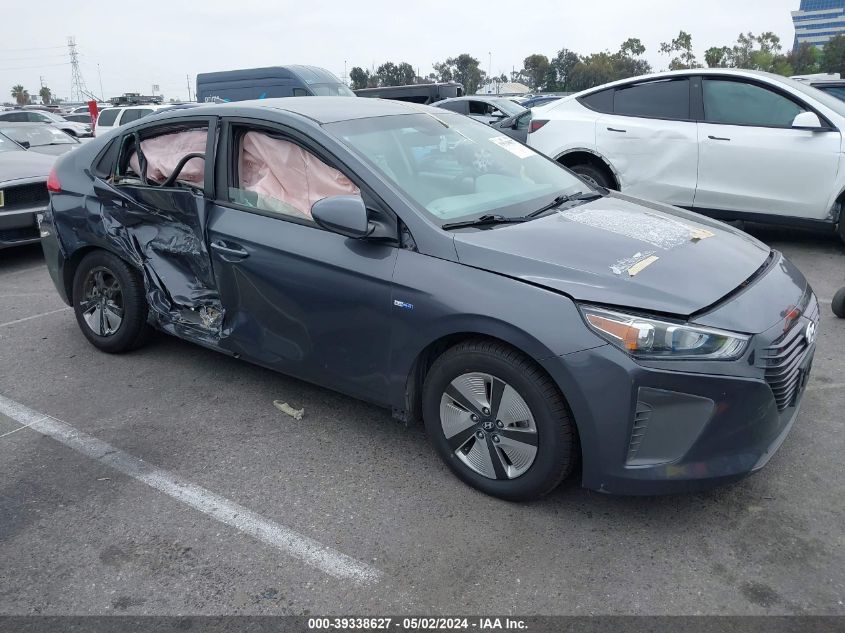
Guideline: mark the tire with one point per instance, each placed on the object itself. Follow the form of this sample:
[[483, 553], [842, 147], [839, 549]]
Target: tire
[[838, 304], [593, 175], [460, 441], [109, 303]]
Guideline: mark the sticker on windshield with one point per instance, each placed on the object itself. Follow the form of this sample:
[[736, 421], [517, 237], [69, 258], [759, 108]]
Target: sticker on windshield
[[517, 149]]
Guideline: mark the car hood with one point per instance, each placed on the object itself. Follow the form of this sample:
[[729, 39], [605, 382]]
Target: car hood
[[16, 165], [621, 251]]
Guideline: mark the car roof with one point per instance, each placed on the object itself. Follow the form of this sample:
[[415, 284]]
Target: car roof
[[690, 72], [149, 106], [325, 109], [23, 124], [477, 98]]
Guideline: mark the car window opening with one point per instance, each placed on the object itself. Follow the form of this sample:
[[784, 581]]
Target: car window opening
[[160, 156], [277, 175]]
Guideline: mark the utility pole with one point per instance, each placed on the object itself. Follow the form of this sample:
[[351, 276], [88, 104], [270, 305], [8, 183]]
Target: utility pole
[[78, 89], [344, 73], [188, 81], [102, 92]]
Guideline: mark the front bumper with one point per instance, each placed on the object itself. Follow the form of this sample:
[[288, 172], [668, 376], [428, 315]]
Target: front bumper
[[650, 430]]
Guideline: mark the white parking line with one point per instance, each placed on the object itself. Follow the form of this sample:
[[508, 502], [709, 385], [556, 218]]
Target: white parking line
[[314, 553], [34, 316]]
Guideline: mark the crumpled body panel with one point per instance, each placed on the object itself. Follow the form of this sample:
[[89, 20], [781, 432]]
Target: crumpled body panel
[[164, 236]]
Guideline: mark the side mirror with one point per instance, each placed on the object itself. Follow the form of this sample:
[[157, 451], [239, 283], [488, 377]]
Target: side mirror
[[345, 215], [808, 121]]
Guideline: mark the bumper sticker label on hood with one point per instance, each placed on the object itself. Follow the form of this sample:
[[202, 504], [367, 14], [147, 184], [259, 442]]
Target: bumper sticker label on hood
[[658, 230], [635, 264]]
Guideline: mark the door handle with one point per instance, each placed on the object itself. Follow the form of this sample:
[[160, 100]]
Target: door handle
[[718, 138], [228, 251], [613, 129]]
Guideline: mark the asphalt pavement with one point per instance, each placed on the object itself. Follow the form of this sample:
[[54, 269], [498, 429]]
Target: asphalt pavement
[[166, 482]]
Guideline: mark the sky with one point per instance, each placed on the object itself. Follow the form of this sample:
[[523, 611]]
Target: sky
[[128, 47]]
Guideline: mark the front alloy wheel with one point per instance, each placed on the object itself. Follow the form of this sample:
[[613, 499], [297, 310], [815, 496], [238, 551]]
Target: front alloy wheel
[[489, 426], [498, 420]]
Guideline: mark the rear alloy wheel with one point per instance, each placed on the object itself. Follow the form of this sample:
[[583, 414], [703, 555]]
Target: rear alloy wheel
[[593, 175], [102, 303], [109, 303], [498, 421]]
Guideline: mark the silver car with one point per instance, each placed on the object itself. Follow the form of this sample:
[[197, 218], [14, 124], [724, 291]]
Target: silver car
[[23, 192], [48, 118]]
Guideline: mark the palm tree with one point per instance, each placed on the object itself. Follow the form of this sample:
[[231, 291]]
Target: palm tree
[[46, 95], [20, 94]]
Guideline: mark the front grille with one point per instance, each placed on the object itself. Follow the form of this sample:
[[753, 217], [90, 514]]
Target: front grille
[[783, 362], [25, 196]]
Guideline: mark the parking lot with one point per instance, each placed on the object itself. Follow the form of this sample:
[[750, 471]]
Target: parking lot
[[240, 508]]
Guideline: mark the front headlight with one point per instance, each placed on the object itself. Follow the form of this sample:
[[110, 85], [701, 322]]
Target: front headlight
[[651, 338]]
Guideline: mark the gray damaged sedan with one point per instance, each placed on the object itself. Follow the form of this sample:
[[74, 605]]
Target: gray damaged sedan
[[424, 262]]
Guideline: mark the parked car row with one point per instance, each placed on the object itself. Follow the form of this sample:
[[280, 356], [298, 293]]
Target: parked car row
[[46, 118]]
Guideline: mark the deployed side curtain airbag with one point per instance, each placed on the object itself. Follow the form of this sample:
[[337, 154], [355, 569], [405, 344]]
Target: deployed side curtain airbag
[[278, 169], [164, 152]]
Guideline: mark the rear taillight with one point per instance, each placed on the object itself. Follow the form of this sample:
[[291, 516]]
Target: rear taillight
[[536, 124], [53, 184]]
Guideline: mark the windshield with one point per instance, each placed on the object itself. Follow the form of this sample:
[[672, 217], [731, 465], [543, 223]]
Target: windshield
[[836, 91], [6, 145], [457, 168], [52, 116], [822, 97], [37, 135], [508, 107], [331, 90]]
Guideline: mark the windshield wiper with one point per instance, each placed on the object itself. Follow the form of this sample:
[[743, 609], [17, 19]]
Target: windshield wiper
[[492, 220], [484, 220], [581, 196]]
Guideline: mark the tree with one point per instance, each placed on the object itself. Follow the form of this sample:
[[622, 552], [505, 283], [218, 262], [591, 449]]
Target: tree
[[632, 47], [833, 57], [805, 59], [717, 56], [681, 47], [463, 69], [535, 68], [20, 95], [46, 95], [359, 77], [604, 67], [560, 68], [627, 62], [390, 74], [752, 52]]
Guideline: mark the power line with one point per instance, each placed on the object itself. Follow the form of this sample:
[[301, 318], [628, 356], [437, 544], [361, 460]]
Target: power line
[[39, 66], [34, 48]]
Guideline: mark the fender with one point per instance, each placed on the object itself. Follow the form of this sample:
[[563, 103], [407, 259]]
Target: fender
[[597, 154]]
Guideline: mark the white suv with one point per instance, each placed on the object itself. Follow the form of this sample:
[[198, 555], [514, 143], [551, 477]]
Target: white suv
[[116, 116], [731, 144]]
